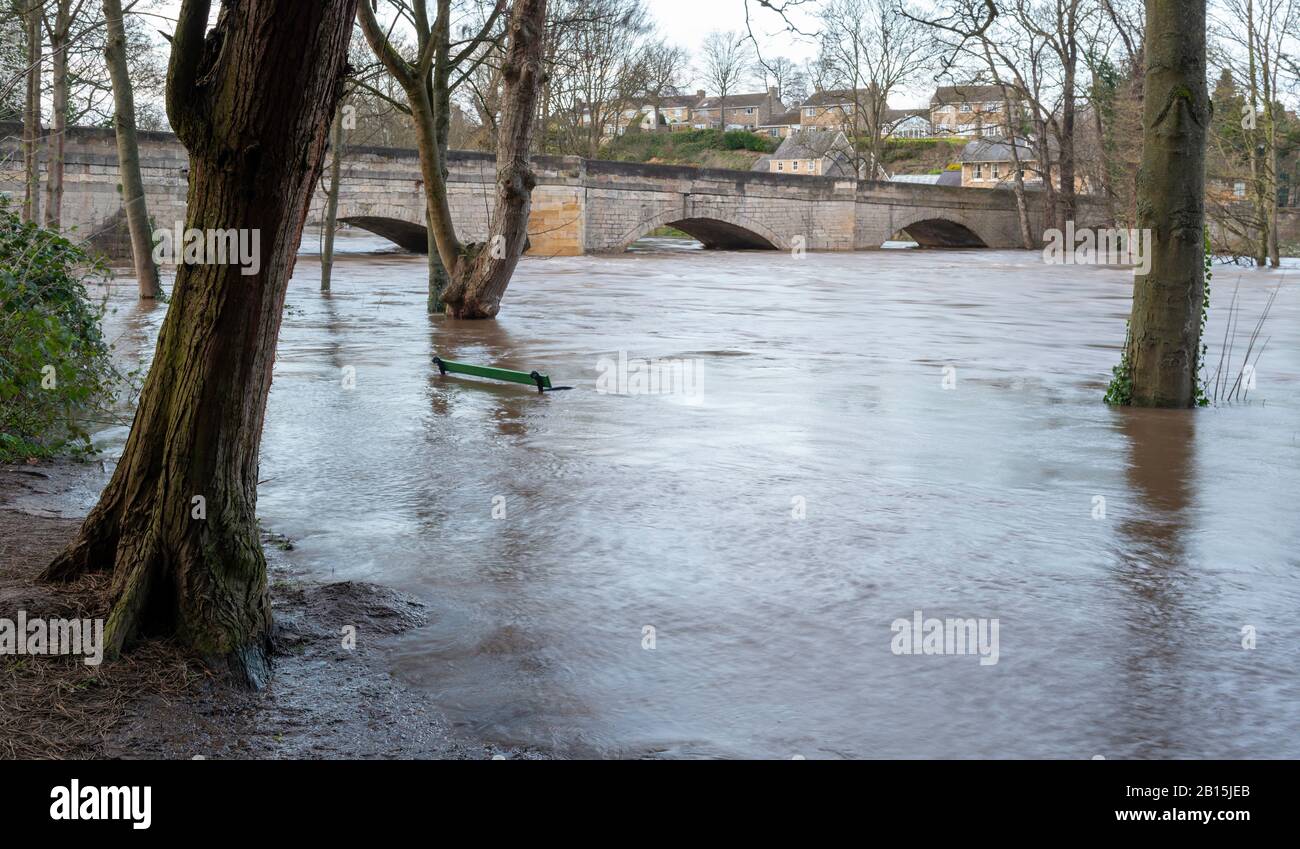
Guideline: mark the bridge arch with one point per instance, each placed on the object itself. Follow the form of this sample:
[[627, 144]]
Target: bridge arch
[[405, 234], [940, 230], [715, 232]]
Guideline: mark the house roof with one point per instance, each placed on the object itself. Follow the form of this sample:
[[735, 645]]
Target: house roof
[[815, 144], [785, 119], [735, 101], [677, 101], [904, 114], [838, 97], [967, 93], [995, 150]]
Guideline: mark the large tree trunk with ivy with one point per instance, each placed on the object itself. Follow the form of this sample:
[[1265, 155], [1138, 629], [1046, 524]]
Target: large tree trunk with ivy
[[1165, 328], [252, 102], [128, 153]]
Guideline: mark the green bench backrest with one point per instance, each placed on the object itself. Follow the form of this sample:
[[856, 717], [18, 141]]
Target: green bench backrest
[[541, 381]]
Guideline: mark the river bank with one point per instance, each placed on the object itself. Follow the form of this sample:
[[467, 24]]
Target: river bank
[[156, 702]]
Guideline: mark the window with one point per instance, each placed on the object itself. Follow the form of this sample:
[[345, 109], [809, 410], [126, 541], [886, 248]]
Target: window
[[749, 110], [795, 166], [979, 171], [965, 107], [780, 166], [995, 171], [992, 107], [1239, 189], [810, 113]]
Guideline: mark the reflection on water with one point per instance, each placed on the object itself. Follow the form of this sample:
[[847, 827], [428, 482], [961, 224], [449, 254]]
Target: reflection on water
[[822, 381]]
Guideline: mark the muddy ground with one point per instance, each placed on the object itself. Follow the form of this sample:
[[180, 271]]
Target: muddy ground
[[325, 701]]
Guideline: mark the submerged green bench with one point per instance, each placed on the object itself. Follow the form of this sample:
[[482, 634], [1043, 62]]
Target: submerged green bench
[[541, 381]]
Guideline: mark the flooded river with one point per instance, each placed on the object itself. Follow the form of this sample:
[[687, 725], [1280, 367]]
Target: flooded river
[[715, 574]]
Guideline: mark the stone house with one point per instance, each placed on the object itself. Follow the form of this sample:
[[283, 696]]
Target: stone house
[[988, 164], [744, 111], [813, 153], [781, 126], [970, 110]]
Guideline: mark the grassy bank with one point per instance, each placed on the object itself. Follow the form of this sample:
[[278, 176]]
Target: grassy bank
[[735, 150]]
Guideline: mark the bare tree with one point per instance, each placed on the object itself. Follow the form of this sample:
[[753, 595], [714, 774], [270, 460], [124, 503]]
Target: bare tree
[[429, 75], [1257, 54], [785, 75], [32, 12], [477, 274], [128, 153], [598, 68], [725, 65], [871, 48]]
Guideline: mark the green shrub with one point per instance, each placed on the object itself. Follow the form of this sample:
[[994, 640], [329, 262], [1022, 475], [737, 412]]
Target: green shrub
[[54, 364], [690, 147], [745, 140]]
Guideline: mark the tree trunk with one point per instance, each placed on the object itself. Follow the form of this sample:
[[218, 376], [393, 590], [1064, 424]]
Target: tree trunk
[[1051, 220], [1253, 145], [251, 101], [1066, 140], [128, 153], [32, 116], [332, 200], [1166, 318], [479, 282], [1272, 235], [1017, 177], [59, 114]]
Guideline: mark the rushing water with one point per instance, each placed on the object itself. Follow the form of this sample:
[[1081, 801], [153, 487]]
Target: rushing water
[[822, 387]]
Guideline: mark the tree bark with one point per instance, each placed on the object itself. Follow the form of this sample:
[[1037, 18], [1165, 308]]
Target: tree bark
[[59, 114], [332, 200], [251, 101], [479, 281], [1166, 317], [1253, 145], [1066, 139], [128, 153], [32, 115]]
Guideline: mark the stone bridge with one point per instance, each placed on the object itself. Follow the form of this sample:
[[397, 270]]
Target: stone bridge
[[579, 206]]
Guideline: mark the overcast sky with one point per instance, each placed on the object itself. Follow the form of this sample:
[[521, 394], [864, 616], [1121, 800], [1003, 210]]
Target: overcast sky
[[685, 23]]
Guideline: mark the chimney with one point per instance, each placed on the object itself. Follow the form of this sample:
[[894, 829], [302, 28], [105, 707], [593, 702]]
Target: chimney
[[700, 94]]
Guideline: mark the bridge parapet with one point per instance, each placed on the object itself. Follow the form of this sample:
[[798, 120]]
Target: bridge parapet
[[579, 206]]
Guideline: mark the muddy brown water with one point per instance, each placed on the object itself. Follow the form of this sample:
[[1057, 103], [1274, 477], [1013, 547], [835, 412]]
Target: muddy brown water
[[934, 417]]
